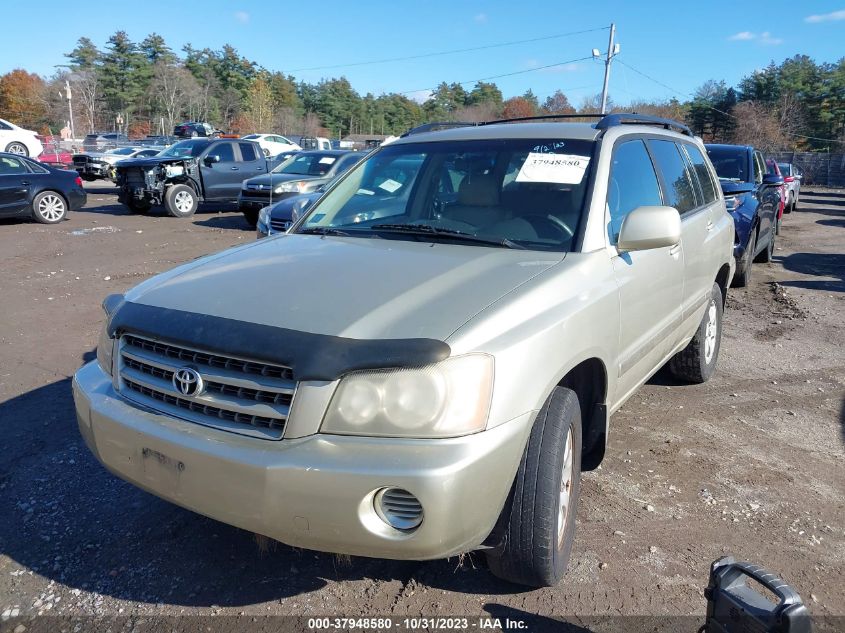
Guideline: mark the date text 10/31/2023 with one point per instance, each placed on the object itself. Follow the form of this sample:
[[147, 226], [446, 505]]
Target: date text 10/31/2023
[[417, 623]]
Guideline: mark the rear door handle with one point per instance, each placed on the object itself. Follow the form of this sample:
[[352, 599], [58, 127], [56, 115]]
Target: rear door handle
[[233, 168], [709, 225], [675, 249], [25, 183]]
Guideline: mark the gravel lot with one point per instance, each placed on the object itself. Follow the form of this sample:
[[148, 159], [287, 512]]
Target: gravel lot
[[749, 464]]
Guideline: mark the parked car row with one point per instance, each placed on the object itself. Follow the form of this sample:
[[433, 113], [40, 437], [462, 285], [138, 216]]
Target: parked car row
[[101, 165], [756, 196], [32, 189]]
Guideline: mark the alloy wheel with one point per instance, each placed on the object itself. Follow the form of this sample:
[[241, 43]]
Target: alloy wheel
[[565, 489], [184, 201], [51, 207], [711, 332]]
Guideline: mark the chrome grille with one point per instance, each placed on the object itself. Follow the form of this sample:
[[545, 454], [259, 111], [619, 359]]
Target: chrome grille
[[280, 225], [246, 397]]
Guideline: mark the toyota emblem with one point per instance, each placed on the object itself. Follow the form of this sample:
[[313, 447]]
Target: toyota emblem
[[188, 382]]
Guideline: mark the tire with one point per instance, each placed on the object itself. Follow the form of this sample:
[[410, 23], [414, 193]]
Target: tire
[[766, 254], [49, 207], [138, 206], [181, 201], [697, 361], [742, 277], [17, 148], [538, 520], [777, 226], [790, 206], [266, 152], [88, 178], [251, 217]]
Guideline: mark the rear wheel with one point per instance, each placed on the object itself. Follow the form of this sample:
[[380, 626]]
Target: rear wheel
[[766, 254], [538, 520], [697, 361], [49, 207], [17, 148], [181, 201], [743, 268], [790, 203]]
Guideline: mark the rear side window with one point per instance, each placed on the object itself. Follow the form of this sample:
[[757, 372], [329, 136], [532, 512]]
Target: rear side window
[[247, 151], [705, 179], [225, 152], [678, 191], [632, 184]]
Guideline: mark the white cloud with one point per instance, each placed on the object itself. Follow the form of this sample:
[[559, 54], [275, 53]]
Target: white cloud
[[242, 16], [420, 96], [833, 16], [480, 18], [742, 36], [765, 38]]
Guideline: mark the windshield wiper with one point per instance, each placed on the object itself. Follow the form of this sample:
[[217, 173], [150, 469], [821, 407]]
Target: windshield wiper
[[429, 230], [322, 230]]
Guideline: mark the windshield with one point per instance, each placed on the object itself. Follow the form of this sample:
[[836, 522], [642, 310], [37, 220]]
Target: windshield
[[186, 149], [524, 193], [785, 168], [730, 163], [308, 164]]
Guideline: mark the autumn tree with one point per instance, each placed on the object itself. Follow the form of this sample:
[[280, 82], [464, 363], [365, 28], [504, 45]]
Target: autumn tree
[[517, 107], [557, 103], [22, 99]]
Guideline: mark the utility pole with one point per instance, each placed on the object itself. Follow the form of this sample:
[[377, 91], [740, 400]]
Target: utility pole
[[612, 51], [70, 108]]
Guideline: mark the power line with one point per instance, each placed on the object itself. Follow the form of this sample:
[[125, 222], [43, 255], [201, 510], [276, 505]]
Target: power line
[[450, 52], [511, 74], [728, 114]]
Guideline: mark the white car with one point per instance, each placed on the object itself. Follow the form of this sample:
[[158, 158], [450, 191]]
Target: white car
[[273, 144], [16, 140]]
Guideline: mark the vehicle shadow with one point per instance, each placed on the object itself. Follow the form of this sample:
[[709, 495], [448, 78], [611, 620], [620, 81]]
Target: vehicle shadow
[[72, 522], [226, 222], [837, 223], [816, 264], [822, 194], [511, 618]]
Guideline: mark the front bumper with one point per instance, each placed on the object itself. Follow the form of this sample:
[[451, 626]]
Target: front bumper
[[314, 492], [98, 170]]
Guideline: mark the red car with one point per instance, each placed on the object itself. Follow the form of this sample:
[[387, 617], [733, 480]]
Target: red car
[[772, 168], [53, 154]]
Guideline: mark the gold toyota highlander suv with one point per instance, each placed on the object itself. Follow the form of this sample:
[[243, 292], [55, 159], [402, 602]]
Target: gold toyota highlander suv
[[425, 362]]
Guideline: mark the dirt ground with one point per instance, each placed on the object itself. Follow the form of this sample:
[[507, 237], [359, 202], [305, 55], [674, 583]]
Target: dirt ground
[[749, 464]]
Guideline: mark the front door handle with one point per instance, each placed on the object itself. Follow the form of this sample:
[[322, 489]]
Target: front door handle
[[25, 183], [709, 225], [233, 168]]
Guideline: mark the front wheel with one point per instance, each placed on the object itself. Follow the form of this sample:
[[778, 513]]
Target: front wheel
[[181, 201], [538, 520], [790, 206], [49, 207], [768, 253], [17, 148], [251, 217], [743, 267], [138, 206], [697, 361]]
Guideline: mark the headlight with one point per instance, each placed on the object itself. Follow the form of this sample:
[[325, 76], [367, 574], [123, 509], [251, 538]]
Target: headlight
[[105, 345], [448, 399], [287, 187]]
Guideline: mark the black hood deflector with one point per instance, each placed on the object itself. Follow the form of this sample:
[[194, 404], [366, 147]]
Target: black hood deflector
[[310, 356]]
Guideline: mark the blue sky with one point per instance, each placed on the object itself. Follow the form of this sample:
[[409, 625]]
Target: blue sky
[[678, 44]]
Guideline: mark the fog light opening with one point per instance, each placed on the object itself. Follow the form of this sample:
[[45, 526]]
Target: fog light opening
[[398, 508]]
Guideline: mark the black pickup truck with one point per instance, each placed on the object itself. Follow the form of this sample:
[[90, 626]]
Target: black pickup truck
[[189, 172]]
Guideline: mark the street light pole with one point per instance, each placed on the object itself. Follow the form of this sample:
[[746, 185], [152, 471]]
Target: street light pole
[[70, 109], [612, 51]]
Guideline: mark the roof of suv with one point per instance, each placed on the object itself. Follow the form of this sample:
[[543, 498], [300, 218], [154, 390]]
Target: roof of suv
[[585, 131]]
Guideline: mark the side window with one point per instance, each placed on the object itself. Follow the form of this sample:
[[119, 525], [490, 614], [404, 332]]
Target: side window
[[632, 184], [12, 166], [225, 152], [3, 126], [705, 178], [678, 189], [247, 152]]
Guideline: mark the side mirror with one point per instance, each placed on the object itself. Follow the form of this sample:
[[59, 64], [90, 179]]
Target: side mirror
[[645, 228], [211, 159], [772, 179]]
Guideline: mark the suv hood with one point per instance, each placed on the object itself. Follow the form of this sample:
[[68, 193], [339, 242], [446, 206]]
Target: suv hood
[[344, 286], [152, 161], [275, 179]]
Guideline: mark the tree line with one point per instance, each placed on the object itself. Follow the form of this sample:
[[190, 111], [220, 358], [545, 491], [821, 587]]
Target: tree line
[[146, 87]]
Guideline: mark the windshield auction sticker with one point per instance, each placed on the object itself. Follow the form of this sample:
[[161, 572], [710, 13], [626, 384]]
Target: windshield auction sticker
[[564, 169]]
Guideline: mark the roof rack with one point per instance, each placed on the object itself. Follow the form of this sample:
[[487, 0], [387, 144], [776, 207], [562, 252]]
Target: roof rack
[[605, 121], [437, 125], [612, 120], [545, 117]]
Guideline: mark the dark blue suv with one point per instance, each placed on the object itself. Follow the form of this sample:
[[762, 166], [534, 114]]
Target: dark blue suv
[[752, 198]]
